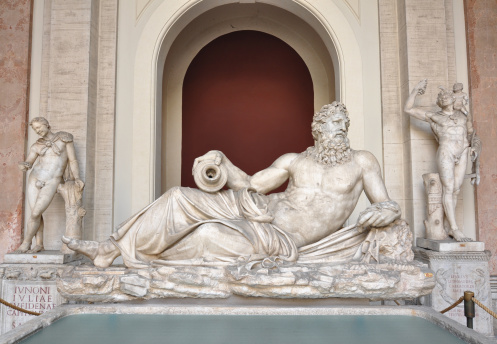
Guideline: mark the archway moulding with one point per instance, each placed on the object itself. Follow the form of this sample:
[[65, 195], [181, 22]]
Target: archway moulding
[[166, 23], [210, 26]]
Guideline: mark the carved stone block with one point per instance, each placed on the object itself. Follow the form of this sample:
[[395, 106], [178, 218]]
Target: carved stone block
[[28, 286], [457, 272], [383, 281]]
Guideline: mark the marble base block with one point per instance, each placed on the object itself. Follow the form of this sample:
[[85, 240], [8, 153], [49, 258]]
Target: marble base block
[[28, 286], [298, 281], [44, 257], [450, 245], [455, 273]]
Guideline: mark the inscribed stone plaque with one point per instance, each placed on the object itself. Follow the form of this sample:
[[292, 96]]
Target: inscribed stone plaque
[[35, 296], [457, 272]]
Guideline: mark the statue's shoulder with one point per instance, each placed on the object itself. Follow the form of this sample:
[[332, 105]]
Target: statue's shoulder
[[286, 160], [365, 159], [65, 137]]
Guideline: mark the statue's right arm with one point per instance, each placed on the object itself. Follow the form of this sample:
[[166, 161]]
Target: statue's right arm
[[273, 176], [409, 106], [26, 165]]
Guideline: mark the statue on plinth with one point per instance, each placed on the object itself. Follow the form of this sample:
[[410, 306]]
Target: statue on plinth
[[325, 182], [56, 169], [453, 129]]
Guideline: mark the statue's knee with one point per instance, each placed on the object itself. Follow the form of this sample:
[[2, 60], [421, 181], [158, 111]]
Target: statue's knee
[[457, 191], [448, 190], [207, 231], [174, 190], [35, 215]]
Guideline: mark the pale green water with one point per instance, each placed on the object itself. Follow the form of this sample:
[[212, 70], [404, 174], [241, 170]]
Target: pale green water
[[241, 329]]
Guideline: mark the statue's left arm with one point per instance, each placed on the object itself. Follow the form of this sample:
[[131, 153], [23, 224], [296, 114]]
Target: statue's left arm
[[383, 210], [262, 182], [73, 164]]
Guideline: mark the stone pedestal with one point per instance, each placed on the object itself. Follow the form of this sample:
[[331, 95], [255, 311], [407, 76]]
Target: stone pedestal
[[449, 245], [455, 273], [44, 257], [29, 281]]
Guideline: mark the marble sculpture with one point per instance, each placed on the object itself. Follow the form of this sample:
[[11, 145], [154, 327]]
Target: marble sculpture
[[56, 170], [214, 243], [457, 141], [325, 183]]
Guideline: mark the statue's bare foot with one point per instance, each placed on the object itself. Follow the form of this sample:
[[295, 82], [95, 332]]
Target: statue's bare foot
[[35, 249], [88, 248], [102, 253], [23, 248], [458, 235]]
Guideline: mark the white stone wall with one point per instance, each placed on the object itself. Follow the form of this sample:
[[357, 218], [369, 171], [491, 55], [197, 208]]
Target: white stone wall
[[97, 69], [76, 93]]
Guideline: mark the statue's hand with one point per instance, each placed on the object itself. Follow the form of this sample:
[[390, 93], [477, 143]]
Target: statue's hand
[[80, 184], [215, 155], [421, 86], [377, 215], [24, 166]]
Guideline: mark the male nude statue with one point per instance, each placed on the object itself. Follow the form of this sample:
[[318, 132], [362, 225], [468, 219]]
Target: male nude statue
[[54, 152], [325, 183], [452, 130]]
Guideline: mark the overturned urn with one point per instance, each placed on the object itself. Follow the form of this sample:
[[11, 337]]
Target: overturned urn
[[209, 176]]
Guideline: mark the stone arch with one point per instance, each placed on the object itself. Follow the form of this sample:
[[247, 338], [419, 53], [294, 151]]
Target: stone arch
[[154, 46], [206, 28]]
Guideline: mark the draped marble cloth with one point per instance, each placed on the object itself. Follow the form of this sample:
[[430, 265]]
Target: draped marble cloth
[[167, 232]]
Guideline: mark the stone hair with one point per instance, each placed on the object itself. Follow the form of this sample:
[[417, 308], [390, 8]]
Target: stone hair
[[443, 94], [41, 120], [326, 112]]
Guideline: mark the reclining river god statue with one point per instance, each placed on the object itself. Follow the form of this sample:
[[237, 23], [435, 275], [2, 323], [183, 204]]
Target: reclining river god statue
[[325, 183], [214, 243]]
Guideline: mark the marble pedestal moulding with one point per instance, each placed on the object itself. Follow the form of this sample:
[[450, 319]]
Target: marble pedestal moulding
[[455, 273], [30, 285], [192, 243]]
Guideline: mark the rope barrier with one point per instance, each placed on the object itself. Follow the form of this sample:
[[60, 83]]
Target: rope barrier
[[8, 304], [485, 308], [469, 307], [455, 304]]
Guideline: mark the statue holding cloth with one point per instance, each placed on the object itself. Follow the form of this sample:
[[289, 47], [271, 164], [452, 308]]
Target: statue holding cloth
[[189, 225]]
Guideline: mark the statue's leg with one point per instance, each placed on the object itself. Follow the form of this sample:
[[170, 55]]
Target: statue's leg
[[102, 253], [210, 240], [459, 173], [42, 200], [32, 194], [39, 238], [446, 167]]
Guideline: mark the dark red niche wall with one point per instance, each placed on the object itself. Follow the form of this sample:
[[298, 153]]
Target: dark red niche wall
[[249, 95]]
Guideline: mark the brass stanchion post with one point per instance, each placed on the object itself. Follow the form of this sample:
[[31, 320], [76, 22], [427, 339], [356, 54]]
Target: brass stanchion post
[[469, 308]]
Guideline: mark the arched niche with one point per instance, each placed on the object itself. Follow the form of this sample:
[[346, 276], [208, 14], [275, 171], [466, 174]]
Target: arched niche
[[218, 22], [170, 18]]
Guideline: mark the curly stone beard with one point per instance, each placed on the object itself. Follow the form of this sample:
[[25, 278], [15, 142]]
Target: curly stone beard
[[332, 151]]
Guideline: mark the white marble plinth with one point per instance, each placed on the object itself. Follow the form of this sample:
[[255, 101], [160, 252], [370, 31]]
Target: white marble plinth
[[44, 257], [455, 273], [299, 281], [450, 245], [28, 286]]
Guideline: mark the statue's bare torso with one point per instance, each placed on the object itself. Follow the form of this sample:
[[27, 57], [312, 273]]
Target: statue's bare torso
[[451, 132], [319, 198], [50, 166]]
